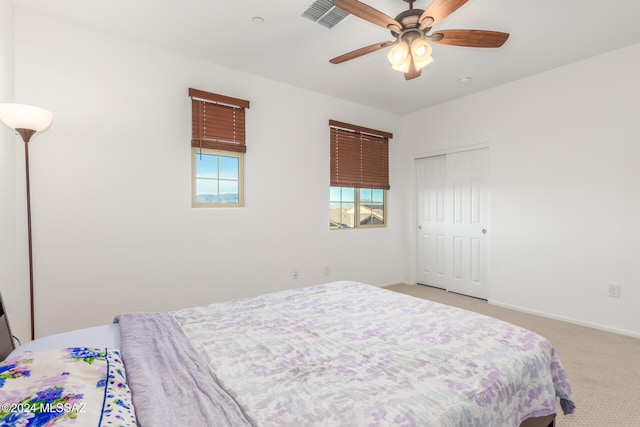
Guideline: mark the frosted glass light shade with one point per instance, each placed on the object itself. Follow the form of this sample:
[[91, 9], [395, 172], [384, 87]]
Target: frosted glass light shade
[[398, 54], [403, 67], [421, 52], [420, 64], [20, 116]]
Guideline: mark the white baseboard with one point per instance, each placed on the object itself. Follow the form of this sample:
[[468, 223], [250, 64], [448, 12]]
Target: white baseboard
[[606, 328], [621, 331], [384, 285]]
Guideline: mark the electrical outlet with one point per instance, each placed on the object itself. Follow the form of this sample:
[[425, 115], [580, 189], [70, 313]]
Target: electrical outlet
[[327, 270], [296, 274], [614, 291]]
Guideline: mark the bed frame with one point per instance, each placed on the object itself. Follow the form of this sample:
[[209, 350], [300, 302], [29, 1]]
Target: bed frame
[[548, 421]]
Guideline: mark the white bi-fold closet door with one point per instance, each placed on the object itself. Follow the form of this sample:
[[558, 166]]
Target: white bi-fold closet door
[[453, 221]]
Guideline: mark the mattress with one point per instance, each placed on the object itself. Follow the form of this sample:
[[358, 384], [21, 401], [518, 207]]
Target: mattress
[[98, 337]]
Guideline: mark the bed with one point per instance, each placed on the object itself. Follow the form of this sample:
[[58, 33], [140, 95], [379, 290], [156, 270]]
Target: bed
[[342, 353]]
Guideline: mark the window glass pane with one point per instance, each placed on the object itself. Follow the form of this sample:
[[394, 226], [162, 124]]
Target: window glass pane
[[229, 167], [341, 207], [206, 166], [229, 192], [371, 217], [365, 218], [347, 219], [365, 195], [364, 214], [335, 208], [334, 219], [206, 191], [348, 194], [378, 217], [371, 207], [335, 194]]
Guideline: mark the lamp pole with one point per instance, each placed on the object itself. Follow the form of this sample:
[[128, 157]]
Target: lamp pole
[[26, 135]]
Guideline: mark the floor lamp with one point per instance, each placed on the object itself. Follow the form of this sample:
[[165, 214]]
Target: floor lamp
[[26, 121]]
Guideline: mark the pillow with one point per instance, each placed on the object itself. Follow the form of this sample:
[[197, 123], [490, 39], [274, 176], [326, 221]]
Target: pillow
[[73, 386]]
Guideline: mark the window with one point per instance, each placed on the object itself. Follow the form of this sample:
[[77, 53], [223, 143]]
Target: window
[[359, 176], [347, 204], [218, 145], [217, 178]]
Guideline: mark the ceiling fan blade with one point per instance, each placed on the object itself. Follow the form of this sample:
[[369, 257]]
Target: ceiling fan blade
[[413, 72], [470, 38], [359, 52], [366, 12], [440, 9]]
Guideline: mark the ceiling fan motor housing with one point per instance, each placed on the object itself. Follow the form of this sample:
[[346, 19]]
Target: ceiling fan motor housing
[[410, 21]]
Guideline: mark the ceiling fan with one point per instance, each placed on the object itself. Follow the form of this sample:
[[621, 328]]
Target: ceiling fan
[[411, 51]]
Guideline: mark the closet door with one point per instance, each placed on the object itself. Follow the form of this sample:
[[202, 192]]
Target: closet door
[[453, 217], [432, 227]]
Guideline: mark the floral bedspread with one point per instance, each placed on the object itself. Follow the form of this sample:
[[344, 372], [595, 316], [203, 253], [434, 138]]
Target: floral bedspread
[[66, 387], [345, 354]]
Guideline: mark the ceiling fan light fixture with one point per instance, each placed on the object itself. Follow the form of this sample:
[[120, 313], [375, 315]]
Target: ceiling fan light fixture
[[404, 66], [399, 54], [421, 53], [420, 48], [420, 64]]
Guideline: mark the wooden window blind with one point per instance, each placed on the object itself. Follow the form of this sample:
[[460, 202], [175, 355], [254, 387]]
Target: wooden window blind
[[359, 156], [217, 121]]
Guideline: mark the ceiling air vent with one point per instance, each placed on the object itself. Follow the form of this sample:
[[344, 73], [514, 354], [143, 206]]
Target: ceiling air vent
[[325, 13]]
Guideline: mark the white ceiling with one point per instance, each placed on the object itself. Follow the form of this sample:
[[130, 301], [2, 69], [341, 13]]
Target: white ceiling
[[545, 34]]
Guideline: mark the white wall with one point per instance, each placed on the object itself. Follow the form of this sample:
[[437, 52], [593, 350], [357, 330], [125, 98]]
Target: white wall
[[565, 200], [14, 286], [112, 222]]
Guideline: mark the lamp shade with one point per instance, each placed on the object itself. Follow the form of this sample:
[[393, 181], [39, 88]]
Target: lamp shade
[[398, 54], [403, 67], [421, 52], [20, 116]]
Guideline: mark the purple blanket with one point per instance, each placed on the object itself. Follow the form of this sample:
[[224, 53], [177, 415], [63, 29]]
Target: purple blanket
[[171, 384]]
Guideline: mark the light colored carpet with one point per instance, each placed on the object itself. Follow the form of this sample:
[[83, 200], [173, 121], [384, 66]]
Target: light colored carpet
[[603, 368]]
